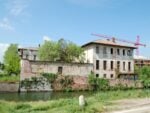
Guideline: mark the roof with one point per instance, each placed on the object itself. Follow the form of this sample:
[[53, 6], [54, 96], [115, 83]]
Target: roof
[[109, 43], [29, 48], [141, 58]]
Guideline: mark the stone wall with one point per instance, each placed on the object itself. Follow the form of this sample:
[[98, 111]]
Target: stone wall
[[9, 87], [78, 71], [34, 68], [125, 83]]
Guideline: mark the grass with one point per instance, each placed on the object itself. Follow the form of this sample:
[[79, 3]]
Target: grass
[[9, 78], [95, 103]]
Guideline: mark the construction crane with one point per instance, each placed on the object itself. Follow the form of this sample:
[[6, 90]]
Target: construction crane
[[137, 43]]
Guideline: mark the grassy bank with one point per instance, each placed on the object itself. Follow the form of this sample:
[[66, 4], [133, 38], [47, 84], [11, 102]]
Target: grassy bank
[[96, 103], [9, 78]]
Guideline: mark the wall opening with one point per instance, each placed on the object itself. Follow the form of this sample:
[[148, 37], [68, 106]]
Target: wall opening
[[105, 65], [118, 65], [112, 65], [60, 69], [118, 51], [97, 75], [124, 52], [111, 51], [97, 64], [111, 76], [129, 66], [124, 66]]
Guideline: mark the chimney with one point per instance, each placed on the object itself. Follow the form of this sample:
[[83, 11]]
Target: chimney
[[113, 39]]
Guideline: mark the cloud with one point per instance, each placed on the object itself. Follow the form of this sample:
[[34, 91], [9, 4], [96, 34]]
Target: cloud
[[17, 7], [5, 24], [3, 48], [46, 38], [14, 9]]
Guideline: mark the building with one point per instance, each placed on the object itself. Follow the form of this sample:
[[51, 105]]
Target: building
[[30, 53], [140, 62], [110, 59]]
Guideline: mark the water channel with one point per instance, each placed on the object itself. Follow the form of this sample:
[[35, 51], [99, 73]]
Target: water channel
[[37, 96]]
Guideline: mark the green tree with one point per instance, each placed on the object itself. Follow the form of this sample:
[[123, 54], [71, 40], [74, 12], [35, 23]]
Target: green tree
[[62, 50], [48, 51], [1, 66], [145, 76], [12, 60]]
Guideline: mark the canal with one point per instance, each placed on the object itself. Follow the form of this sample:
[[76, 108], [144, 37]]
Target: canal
[[44, 96]]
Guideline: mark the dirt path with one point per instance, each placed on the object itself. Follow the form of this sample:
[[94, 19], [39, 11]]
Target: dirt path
[[131, 106]]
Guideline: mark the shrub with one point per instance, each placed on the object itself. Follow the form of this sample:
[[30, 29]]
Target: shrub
[[144, 76], [32, 82], [66, 82], [50, 76], [98, 83]]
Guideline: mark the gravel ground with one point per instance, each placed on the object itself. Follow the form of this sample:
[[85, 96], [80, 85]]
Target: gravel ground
[[130, 106]]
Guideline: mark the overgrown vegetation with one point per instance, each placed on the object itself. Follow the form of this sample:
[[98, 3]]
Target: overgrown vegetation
[[144, 74], [96, 103], [66, 82], [6, 78], [33, 82], [12, 60], [51, 77], [62, 50], [97, 83]]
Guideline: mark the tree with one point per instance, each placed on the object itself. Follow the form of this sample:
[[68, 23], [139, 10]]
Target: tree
[[48, 51], [1, 66], [62, 50], [12, 60], [145, 76]]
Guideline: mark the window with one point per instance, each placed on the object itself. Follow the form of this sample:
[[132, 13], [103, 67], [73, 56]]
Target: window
[[27, 56], [97, 75], [112, 65], [118, 51], [111, 51], [129, 66], [34, 57], [97, 49], [124, 66], [123, 52], [118, 64], [129, 53], [97, 64], [104, 50], [111, 76], [104, 75], [60, 69], [104, 65]]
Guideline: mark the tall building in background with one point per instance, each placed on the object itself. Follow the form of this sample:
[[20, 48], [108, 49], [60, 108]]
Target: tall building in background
[[110, 59]]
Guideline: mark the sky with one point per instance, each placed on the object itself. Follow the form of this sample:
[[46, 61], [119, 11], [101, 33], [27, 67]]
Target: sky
[[29, 22]]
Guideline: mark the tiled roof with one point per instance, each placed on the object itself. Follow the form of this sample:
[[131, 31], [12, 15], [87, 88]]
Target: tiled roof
[[109, 43]]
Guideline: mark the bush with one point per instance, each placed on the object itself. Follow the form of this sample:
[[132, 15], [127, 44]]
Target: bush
[[50, 76], [145, 76], [98, 83], [66, 82], [6, 78]]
